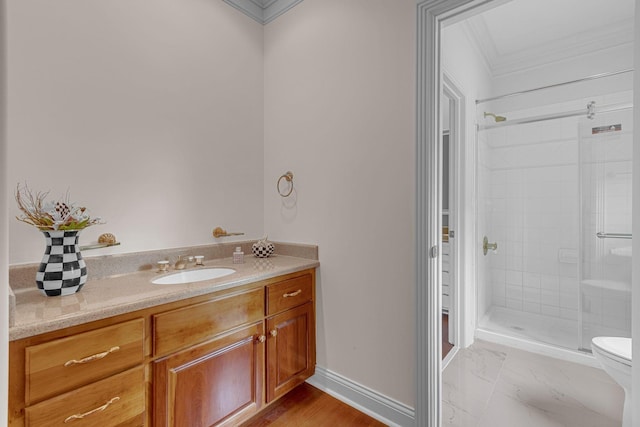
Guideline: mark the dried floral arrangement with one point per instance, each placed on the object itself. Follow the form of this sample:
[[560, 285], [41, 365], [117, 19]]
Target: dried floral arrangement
[[58, 215]]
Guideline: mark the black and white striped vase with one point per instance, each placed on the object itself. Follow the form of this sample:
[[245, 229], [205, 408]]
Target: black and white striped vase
[[62, 270]]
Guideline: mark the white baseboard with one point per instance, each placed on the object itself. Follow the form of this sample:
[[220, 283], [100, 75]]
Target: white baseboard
[[449, 357], [372, 403]]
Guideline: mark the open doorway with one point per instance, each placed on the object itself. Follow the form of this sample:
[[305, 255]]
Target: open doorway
[[432, 15], [452, 112], [447, 285]]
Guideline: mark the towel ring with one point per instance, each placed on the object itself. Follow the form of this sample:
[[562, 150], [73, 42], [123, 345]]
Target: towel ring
[[289, 178]]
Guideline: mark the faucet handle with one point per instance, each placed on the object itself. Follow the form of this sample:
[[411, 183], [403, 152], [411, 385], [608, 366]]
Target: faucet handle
[[163, 266]]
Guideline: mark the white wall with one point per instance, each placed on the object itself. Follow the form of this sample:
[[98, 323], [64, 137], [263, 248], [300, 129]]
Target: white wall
[[339, 104], [148, 113], [4, 241], [636, 227]]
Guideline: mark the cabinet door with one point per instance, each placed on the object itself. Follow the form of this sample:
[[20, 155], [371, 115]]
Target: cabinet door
[[212, 384], [291, 352]]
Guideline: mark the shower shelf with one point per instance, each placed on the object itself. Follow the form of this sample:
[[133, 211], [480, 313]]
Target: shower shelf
[[611, 285]]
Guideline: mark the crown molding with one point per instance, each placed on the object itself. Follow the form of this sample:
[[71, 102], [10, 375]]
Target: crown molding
[[481, 42], [263, 11], [571, 47]]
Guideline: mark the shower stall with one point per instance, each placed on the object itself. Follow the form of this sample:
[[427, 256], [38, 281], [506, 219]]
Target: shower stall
[[554, 196]]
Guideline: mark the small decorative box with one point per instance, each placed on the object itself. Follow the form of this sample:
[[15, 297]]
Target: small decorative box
[[263, 248]]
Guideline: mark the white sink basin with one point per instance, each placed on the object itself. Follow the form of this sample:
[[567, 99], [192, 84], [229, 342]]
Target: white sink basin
[[193, 276]]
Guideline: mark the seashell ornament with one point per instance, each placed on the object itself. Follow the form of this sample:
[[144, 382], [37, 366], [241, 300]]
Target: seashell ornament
[[107, 239]]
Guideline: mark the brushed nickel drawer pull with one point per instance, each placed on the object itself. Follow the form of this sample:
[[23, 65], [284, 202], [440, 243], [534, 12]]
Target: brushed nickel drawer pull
[[93, 411], [91, 358], [292, 294]]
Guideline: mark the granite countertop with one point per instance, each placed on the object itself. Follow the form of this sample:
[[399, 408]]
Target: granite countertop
[[117, 294]]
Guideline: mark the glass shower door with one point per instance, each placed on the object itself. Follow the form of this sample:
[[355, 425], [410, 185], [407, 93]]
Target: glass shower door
[[605, 225]]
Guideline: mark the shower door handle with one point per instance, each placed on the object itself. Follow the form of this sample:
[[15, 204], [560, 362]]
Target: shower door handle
[[601, 235]]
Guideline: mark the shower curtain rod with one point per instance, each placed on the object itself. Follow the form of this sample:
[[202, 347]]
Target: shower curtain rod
[[585, 112], [584, 79]]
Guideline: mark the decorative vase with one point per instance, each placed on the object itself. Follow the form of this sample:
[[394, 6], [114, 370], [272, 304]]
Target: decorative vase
[[62, 270]]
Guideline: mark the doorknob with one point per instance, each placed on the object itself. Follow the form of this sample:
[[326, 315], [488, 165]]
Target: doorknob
[[486, 246]]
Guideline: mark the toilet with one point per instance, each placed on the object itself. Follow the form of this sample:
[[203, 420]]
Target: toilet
[[614, 355]]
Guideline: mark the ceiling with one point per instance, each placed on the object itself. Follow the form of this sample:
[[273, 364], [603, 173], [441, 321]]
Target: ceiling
[[521, 34]]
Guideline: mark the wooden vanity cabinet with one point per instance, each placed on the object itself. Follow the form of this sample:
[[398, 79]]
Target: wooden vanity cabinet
[[215, 383], [87, 378], [215, 376], [222, 381], [211, 360], [291, 352]]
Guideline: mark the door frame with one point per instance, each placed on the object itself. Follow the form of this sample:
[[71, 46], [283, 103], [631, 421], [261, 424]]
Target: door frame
[[430, 17]]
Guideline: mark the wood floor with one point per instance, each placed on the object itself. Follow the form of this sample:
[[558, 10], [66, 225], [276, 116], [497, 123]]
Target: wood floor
[[306, 406], [446, 346]]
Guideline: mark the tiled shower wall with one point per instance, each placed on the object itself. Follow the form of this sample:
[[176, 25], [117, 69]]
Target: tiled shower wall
[[532, 213], [529, 194]]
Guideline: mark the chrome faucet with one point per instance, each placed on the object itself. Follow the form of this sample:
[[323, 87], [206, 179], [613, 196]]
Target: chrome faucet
[[183, 262]]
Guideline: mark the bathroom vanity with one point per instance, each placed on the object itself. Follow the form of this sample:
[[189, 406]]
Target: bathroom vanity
[[214, 353]]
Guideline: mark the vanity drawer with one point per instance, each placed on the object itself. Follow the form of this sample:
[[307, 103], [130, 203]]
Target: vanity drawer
[[115, 401], [289, 293], [67, 363], [191, 325]]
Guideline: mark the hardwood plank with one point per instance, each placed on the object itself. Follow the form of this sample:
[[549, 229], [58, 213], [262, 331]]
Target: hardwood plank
[[306, 406], [446, 346]]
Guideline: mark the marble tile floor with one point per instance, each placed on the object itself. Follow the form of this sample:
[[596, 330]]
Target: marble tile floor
[[491, 385]]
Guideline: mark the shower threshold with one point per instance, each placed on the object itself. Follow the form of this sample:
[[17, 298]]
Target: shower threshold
[[551, 336]]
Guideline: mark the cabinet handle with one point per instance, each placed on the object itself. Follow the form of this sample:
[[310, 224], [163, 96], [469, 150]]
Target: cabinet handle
[[262, 338], [91, 358], [273, 333], [93, 411], [292, 294]]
